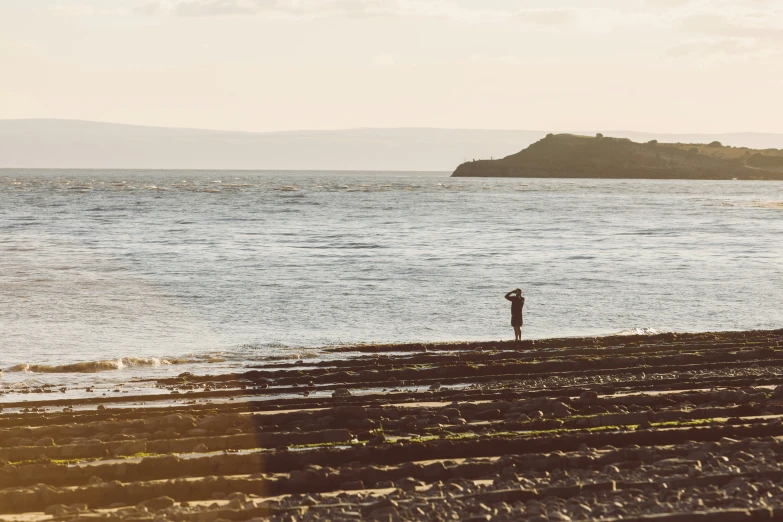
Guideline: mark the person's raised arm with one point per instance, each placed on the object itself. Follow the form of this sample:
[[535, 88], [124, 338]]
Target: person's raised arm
[[509, 294]]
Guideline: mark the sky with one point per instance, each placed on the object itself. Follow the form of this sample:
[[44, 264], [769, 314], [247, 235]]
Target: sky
[[705, 66]]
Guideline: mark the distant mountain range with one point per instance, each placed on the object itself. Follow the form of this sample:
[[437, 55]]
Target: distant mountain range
[[83, 144]]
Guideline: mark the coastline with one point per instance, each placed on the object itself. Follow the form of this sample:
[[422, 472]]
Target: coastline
[[584, 427]]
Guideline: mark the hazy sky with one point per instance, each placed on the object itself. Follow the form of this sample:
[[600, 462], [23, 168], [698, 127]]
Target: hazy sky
[[647, 65]]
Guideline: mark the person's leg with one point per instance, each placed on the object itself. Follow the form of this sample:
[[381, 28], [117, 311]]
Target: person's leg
[[517, 333]]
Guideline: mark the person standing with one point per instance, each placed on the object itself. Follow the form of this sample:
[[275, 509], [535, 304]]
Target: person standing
[[517, 302]]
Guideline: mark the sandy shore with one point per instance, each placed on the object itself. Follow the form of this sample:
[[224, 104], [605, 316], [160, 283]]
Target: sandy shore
[[631, 428]]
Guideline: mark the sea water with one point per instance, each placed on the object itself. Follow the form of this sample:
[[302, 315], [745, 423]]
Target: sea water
[[158, 272]]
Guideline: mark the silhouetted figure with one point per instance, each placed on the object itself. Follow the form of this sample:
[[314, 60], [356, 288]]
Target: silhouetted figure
[[517, 302]]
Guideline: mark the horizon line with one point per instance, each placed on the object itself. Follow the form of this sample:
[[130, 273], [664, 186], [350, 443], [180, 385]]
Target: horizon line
[[380, 171]]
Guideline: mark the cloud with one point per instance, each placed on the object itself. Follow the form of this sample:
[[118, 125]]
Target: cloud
[[669, 3], [725, 27], [743, 33], [705, 26], [713, 46], [151, 9], [557, 18], [385, 59], [585, 19], [309, 8], [489, 59], [708, 4], [547, 16], [72, 10], [434, 9], [756, 25], [216, 8], [85, 10]]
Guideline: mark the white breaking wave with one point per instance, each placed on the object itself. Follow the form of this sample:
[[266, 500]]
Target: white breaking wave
[[640, 331], [110, 364]]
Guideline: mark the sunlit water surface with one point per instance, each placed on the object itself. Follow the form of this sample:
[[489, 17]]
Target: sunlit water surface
[[139, 273]]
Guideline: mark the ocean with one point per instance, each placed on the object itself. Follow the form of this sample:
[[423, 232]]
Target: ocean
[[111, 275]]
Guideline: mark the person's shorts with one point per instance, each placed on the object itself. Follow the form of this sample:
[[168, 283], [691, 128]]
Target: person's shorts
[[516, 321]]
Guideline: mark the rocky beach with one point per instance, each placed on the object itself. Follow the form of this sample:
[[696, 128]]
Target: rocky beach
[[665, 427]]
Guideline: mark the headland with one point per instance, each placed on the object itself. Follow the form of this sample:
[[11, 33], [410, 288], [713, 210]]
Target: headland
[[573, 156]]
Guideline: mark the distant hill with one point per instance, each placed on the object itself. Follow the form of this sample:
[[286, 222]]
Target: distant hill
[[574, 156], [82, 144]]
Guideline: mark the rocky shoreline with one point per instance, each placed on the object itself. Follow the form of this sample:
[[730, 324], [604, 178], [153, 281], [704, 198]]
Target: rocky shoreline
[[668, 427]]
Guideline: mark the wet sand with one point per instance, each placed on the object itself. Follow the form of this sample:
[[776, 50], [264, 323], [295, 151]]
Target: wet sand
[[665, 427]]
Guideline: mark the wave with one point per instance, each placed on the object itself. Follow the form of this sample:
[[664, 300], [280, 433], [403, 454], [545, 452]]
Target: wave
[[294, 353], [111, 364], [284, 357], [773, 205], [640, 331]]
